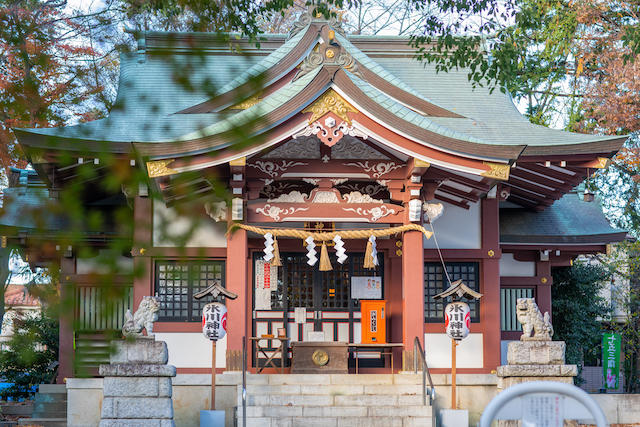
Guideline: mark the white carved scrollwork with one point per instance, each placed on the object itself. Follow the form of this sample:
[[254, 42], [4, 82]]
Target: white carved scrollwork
[[217, 211], [293, 197], [328, 133], [432, 211], [378, 169], [357, 197], [373, 213], [325, 197], [272, 169], [275, 211]]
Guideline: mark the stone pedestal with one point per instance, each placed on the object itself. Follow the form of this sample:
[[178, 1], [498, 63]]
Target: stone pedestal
[[137, 385], [535, 361]]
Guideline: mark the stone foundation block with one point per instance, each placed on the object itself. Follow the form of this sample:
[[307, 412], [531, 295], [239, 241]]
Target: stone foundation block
[[137, 423], [511, 381], [141, 352], [137, 370], [137, 386], [137, 408], [536, 353], [537, 371]]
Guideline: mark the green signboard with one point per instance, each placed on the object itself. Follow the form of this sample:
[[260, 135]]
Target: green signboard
[[611, 360]]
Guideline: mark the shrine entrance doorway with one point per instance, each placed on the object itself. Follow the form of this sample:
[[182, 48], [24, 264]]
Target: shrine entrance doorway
[[304, 299]]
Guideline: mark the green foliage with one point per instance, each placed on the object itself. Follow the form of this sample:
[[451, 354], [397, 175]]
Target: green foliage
[[33, 347], [578, 309]]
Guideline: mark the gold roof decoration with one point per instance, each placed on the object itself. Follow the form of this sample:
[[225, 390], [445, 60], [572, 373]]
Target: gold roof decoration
[[159, 168], [497, 171], [330, 101], [247, 103]]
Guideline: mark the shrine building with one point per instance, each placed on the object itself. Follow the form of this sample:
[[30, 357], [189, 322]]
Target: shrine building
[[314, 135]]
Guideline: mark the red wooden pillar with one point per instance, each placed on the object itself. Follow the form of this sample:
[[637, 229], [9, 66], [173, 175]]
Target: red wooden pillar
[[67, 298], [143, 281], [543, 291], [490, 283], [237, 273], [412, 288]]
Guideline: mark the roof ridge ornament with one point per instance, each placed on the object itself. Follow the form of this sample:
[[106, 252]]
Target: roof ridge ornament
[[312, 15], [317, 59]]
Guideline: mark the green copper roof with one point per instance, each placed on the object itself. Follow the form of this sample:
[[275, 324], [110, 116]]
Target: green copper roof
[[260, 109]]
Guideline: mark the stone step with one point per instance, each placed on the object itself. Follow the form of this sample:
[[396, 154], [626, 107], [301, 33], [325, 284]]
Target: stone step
[[49, 407], [335, 379], [337, 411], [339, 422], [50, 414], [16, 409], [335, 389], [44, 422], [50, 397], [327, 400], [52, 388]]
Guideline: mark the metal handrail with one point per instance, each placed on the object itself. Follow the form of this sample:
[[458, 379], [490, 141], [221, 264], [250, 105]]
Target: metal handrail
[[425, 372], [244, 381]]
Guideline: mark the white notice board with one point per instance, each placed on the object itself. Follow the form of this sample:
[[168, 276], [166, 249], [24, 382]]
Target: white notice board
[[366, 287]]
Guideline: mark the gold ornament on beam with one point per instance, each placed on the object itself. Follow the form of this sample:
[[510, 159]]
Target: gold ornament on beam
[[497, 171], [159, 168], [330, 101]]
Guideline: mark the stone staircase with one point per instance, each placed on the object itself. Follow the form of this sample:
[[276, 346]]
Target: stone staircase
[[325, 400], [49, 407]]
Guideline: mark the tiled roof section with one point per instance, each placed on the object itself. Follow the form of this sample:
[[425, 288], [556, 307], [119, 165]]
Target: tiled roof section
[[411, 116], [271, 60], [374, 67], [258, 110], [17, 296], [31, 208], [568, 221], [149, 94], [490, 116]]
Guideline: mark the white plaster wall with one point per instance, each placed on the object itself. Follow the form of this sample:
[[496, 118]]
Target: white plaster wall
[[457, 228], [100, 263], [168, 226], [192, 349], [469, 353], [510, 267]]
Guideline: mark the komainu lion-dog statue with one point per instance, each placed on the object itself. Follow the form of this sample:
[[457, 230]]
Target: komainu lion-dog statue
[[532, 320], [143, 318]]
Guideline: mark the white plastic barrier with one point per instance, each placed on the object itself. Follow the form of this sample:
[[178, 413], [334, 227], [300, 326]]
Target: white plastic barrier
[[543, 403]]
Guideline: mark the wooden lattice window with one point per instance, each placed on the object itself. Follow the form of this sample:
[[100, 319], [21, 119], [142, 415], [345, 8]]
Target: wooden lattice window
[[435, 281], [178, 281]]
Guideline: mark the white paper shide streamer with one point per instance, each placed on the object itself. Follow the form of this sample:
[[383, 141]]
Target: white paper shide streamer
[[268, 247], [340, 251], [311, 251], [374, 251]]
